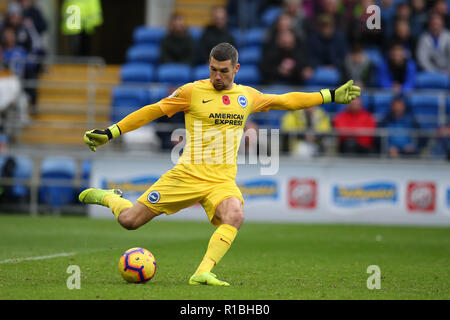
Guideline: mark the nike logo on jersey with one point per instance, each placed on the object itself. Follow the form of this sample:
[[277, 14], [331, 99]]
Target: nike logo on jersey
[[205, 101]]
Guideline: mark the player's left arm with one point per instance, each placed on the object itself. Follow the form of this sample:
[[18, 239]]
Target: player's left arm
[[300, 100]]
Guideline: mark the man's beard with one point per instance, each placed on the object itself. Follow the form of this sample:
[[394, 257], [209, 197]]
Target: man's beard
[[219, 87]]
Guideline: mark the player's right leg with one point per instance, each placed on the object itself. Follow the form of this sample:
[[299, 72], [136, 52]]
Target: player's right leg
[[128, 215]]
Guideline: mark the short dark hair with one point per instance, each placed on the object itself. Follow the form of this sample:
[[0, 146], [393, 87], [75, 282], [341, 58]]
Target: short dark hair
[[223, 52]]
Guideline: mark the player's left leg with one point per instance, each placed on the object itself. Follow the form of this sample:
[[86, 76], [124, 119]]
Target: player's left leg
[[229, 213]]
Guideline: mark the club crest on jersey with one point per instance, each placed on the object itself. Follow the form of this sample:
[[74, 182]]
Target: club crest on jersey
[[153, 197], [226, 100], [242, 100]]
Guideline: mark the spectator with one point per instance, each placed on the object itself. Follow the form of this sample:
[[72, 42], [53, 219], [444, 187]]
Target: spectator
[[214, 34], [14, 56], [284, 62], [283, 23], [355, 127], [400, 124], [327, 47], [402, 35], [440, 7], [310, 125], [358, 67], [433, 48], [397, 72], [244, 14], [441, 147], [34, 14], [26, 33], [358, 29], [332, 8], [419, 17], [293, 9], [177, 46]]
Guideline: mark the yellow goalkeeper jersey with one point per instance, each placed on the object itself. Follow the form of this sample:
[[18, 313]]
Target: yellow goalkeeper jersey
[[215, 123]]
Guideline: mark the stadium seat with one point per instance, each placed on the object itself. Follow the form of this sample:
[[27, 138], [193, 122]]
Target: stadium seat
[[201, 72], [144, 34], [147, 53], [59, 170], [86, 167], [324, 77], [270, 15], [250, 55], [254, 37], [158, 92], [239, 38], [432, 80], [375, 56], [127, 99], [381, 104], [24, 169], [248, 75], [425, 108], [195, 32], [174, 73], [448, 109], [137, 72]]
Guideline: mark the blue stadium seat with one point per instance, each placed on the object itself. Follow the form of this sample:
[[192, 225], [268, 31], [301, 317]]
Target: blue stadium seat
[[201, 72], [248, 75], [127, 99], [86, 167], [147, 53], [425, 108], [324, 77], [239, 38], [158, 92], [448, 109], [60, 170], [270, 15], [195, 32], [375, 56], [24, 170], [137, 72], [432, 80], [381, 104], [144, 34], [174, 73], [254, 37], [250, 55]]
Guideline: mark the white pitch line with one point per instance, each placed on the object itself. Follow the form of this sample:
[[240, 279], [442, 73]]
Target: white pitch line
[[62, 254]]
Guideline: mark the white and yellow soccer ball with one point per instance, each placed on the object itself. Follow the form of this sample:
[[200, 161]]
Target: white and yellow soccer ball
[[137, 265]]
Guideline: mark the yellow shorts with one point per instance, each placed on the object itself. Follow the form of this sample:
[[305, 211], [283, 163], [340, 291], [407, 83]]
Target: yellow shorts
[[175, 191]]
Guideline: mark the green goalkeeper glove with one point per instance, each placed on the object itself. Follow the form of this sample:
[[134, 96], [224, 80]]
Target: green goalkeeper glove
[[95, 138], [343, 94]]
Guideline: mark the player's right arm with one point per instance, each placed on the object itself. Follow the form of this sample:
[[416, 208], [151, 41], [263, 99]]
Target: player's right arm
[[178, 101]]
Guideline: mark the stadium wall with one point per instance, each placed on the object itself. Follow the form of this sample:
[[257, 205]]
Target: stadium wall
[[320, 191]]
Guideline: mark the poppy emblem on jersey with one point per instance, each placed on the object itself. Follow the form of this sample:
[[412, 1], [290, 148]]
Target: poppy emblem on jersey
[[242, 100], [226, 100], [153, 197]]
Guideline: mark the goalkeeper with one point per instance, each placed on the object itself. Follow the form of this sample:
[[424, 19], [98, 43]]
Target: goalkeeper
[[206, 171]]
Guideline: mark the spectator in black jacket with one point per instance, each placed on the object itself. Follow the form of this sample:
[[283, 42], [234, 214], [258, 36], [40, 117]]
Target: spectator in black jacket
[[177, 46], [30, 11], [214, 34], [284, 62], [327, 47]]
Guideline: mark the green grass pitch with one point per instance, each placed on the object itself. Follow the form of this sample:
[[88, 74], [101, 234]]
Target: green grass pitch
[[267, 261]]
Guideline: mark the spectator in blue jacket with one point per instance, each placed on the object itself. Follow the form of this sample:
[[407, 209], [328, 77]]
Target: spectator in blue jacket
[[397, 72], [400, 123]]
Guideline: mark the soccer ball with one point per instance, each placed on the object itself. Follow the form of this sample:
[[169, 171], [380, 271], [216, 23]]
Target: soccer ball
[[137, 265]]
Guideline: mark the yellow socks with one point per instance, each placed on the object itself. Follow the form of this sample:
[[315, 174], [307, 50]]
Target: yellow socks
[[219, 244], [116, 204]]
